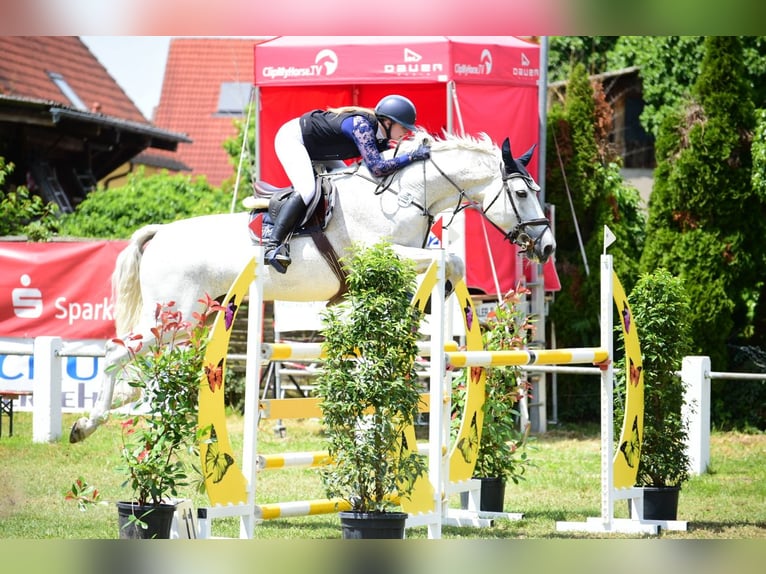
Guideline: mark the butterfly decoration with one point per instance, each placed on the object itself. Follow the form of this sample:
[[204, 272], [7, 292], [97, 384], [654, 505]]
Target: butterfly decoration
[[216, 462], [475, 375], [468, 312], [626, 317], [214, 375], [407, 482], [469, 444], [632, 448], [229, 311], [635, 373]]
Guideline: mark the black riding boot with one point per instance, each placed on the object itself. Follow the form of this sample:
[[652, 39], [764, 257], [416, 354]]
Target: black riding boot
[[277, 251]]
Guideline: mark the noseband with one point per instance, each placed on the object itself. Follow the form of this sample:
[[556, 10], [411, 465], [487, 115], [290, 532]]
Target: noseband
[[520, 234]]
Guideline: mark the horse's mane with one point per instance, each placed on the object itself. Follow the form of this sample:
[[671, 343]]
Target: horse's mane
[[481, 143]]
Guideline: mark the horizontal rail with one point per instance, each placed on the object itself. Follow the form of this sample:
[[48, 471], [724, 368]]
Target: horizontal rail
[[301, 508], [308, 408], [731, 376], [292, 459], [737, 376], [561, 369], [527, 357], [310, 351]]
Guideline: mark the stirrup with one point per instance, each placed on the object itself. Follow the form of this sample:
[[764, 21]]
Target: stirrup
[[278, 257]]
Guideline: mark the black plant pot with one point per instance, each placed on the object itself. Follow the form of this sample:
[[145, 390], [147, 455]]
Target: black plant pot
[[660, 503], [158, 519], [492, 495], [372, 525]]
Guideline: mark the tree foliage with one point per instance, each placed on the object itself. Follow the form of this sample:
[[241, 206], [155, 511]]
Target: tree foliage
[[669, 65], [565, 52], [660, 308], [369, 387], [583, 180], [703, 214], [241, 155], [159, 198], [22, 213]]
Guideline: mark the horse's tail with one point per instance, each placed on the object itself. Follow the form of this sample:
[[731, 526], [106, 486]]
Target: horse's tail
[[126, 287]]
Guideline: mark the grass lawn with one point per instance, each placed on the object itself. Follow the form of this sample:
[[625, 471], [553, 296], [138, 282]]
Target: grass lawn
[[729, 502]]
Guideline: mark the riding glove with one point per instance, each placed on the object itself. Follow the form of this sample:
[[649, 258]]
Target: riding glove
[[421, 154]]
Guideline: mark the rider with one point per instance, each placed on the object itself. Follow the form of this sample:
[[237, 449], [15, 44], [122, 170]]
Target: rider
[[330, 136]]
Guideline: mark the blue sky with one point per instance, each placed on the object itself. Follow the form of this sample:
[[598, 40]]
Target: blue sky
[[137, 63]]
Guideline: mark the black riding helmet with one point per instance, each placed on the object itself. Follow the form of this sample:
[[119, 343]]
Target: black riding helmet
[[397, 108]]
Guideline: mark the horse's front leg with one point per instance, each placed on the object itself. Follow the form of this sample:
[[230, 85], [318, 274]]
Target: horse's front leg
[[115, 355]]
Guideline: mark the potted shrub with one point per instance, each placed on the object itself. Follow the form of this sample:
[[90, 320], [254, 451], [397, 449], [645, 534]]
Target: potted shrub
[[660, 309], [159, 444], [369, 390], [502, 454]]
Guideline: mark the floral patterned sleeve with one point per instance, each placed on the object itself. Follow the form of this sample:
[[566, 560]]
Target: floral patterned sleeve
[[365, 138]]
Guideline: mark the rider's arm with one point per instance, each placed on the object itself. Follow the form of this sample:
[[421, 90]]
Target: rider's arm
[[360, 130]]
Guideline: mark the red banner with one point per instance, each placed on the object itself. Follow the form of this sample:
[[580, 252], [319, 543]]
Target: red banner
[[333, 60], [57, 289]]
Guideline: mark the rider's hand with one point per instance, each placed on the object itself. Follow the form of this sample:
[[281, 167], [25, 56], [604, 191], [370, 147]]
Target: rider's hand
[[421, 154]]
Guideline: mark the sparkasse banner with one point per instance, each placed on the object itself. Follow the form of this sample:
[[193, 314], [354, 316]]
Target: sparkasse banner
[[60, 289]]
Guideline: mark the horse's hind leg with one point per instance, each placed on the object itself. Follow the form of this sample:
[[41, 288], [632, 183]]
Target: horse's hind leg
[[83, 427]]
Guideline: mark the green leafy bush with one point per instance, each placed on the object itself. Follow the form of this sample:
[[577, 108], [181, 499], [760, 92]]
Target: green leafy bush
[[660, 312], [503, 445], [158, 198], [22, 213], [369, 386]]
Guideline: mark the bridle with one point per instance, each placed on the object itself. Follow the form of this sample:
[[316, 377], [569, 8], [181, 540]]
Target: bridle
[[520, 234]]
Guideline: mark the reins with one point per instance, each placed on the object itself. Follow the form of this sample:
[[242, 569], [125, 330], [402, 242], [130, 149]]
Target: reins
[[518, 235]]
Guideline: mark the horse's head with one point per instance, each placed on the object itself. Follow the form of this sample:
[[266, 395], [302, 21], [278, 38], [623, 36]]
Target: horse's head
[[493, 182], [515, 207]]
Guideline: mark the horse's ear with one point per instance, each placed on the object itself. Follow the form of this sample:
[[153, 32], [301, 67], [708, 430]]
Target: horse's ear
[[507, 156], [524, 160]]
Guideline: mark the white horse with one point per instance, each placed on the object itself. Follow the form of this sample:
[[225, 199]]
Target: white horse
[[189, 258]]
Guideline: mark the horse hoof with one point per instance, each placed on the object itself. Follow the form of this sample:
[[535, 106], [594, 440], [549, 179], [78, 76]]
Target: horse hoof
[[76, 434]]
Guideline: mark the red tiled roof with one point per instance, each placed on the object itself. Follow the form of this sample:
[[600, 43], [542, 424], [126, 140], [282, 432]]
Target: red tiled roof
[[27, 60], [194, 72]]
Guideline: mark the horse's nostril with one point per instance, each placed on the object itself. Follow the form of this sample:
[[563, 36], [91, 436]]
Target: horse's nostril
[[547, 252]]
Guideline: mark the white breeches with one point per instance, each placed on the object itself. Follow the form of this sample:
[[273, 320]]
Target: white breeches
[[292, 154]]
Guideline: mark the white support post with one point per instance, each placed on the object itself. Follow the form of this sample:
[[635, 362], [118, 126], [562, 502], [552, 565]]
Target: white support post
[[439, 416], [607, 523], [607, 397], [253, 366], [695, 375], [46, 422]]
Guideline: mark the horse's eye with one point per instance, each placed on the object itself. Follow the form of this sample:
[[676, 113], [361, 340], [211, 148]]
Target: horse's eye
[[521, 192]]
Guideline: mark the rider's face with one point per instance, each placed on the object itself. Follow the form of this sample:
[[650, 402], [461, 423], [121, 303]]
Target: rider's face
[[398, 131]]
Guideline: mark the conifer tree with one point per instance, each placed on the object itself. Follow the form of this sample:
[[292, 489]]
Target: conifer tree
[[705, 223], [583, 168]]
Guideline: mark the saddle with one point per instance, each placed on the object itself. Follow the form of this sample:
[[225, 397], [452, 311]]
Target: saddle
[[267, 200]]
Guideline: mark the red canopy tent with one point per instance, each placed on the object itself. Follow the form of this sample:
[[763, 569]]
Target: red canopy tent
[[462, 84]]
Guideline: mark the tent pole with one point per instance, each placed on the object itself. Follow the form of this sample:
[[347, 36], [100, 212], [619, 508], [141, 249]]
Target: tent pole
[[450, 107], [257, 101], [542, 95]]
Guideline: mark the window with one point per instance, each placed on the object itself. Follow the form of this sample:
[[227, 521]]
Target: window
[[233, 98], [68, 91]]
